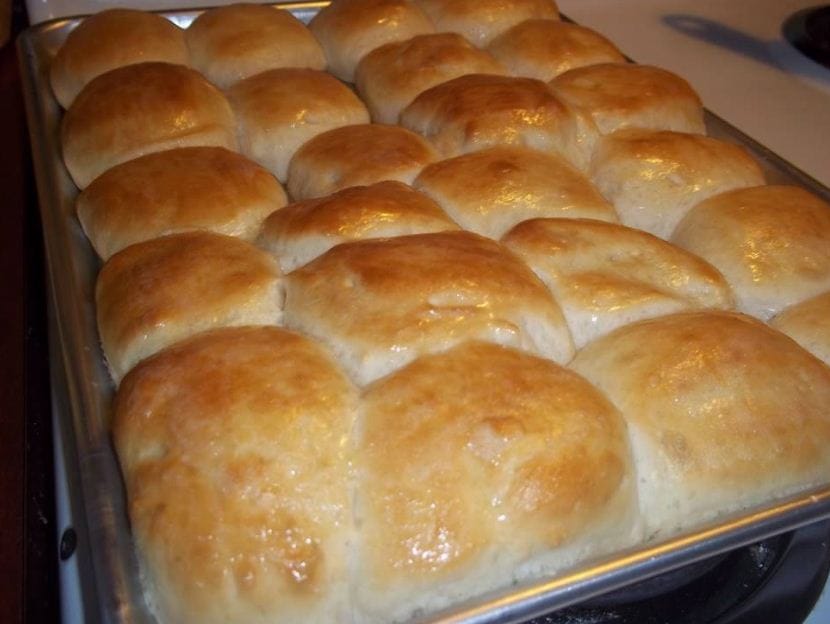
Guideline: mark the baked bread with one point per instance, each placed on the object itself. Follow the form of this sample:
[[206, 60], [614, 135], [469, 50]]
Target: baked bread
[[723, 412], [772, 243], [808, 323], [231, 447], [281, 109], [158, 292], [354, 156], [544, 48], [229, 43], [490, 191], [605, 275], [139, 109], [178, 190], [111, 39], [654, 177], [380, 303], [624, 95], [477, 111], [349, 29], [391, 76], [482, 20], [481, 466], [298, 233]]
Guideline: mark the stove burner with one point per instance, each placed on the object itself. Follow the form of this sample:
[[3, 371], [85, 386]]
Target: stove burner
[[809, 31], [776, 580]]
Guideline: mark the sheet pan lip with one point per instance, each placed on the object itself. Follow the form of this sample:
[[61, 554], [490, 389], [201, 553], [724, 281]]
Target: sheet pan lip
[[113, 581]]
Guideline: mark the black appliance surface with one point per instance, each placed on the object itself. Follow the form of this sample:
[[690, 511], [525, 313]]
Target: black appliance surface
[[777, 580]]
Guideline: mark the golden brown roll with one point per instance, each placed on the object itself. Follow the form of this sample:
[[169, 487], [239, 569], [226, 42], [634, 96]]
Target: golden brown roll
[[355, 156], [158, 292], [653, 178], [281, 109], [723, 412], [380, 303], [349, 29], [544, 48], [179, 190], [808, 323], [232, 449], [139, 109], [481, 20], [391, 76], [605, 275], [623, 95], [481, 466], [477, 111], [490, 191], [110, 39], [772, 243], [233, 42], [298, 233]]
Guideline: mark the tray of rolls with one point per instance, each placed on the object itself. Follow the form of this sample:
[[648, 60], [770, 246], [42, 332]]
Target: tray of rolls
[[429, 310]]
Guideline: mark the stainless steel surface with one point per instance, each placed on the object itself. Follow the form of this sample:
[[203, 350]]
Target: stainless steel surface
[[110, 579]]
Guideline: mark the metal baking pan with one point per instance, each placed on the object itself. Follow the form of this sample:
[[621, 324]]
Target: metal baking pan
[[109, 573]]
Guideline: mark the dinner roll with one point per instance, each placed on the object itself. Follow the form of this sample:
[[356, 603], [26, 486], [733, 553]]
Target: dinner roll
[[158, 292], [110, 39], [481, 466], [623, 95], [178, 190], [357, 155], [653, 178], [298, 233], [605, 275], [281, 109], [772, 243], [140, 109], [349, 29], [232, 449], [723, 412], [381, 303], [481, 20], [391, 76], [477, 111], [490, 191], [808, 323], [233, 42], [543, 48]]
